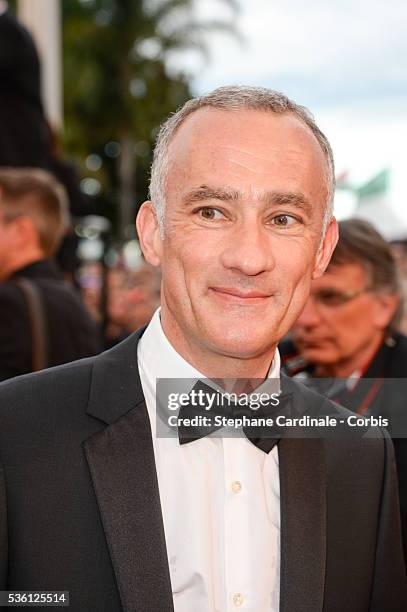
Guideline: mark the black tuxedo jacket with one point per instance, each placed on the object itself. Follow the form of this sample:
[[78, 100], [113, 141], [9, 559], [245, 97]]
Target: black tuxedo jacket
[[80, 508]]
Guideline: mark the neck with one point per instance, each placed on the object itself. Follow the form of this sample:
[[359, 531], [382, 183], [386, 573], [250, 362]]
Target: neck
[[357, 362], [217, 365], [20, 262]]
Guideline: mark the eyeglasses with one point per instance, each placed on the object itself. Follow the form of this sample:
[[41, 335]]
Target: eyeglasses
[[331, 297]]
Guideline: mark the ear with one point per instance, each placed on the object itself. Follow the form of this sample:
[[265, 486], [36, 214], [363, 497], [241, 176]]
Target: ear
[[148, 231], [26, 233], [326, 249], [385, 307]]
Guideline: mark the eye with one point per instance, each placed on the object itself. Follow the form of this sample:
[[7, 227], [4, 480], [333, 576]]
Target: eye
[[284, 220], [210, 214], [330, 298]]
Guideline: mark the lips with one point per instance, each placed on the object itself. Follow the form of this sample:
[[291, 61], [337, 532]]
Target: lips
[[314, 343], [235, 294]]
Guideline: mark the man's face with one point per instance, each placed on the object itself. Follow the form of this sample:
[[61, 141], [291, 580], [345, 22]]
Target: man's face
[[342, 317], [245, 199]]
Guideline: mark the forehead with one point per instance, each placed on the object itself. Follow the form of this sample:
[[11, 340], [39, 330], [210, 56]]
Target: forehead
[[342, 276], [249, 149]]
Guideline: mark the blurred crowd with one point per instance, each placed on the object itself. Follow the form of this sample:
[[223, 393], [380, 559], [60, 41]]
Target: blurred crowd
[[132, 296], [55, 304]]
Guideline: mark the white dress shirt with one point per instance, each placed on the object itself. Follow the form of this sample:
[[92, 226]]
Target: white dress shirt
[[220, 500]]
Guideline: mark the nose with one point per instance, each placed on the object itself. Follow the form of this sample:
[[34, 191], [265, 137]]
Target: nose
[[310, 317], [248, 250]]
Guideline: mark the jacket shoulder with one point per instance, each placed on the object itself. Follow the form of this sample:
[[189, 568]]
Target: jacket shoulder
[[10, 295], [52, 388], [69, 388]]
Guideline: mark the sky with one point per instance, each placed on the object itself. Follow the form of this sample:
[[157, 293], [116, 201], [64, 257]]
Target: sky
[[346, 60]]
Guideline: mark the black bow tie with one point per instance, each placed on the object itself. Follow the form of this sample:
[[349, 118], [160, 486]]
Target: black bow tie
[[264, 437]]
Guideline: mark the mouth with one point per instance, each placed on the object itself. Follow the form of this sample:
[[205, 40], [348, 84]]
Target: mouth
[[314, 344], [235, 295]]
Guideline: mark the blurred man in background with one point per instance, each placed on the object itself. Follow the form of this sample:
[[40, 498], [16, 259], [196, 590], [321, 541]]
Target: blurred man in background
[[42, 320], [346, 342], [133, 297]]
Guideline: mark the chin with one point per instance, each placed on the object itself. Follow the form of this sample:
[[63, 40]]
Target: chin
[[241, 343], [320, 357]]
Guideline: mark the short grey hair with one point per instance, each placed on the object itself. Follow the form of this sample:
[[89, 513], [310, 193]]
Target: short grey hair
[[233, 98]]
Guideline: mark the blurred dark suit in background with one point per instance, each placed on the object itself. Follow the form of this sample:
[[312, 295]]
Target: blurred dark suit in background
[[23, 131]]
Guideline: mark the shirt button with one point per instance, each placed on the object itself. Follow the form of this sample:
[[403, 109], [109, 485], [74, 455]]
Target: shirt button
[[236, 486], [237, 599]]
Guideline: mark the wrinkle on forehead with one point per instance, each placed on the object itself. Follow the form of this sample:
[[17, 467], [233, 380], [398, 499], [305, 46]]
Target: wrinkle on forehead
[[242, 162], [256, 163]]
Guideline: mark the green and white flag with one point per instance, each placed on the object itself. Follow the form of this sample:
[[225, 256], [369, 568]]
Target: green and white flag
[[374, 205], [376, 188]]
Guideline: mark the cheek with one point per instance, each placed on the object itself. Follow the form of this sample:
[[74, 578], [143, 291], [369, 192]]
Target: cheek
[[183, 267], [350, 329], [294, 271], [294, 257], [190, 255]]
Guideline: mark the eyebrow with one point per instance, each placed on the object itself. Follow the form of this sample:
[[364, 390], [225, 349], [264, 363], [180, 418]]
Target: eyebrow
[[211, 193], [271, 198]]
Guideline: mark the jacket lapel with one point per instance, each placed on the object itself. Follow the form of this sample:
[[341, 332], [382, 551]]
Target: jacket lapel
[[302, 461], [303, 524], [122, 468]]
